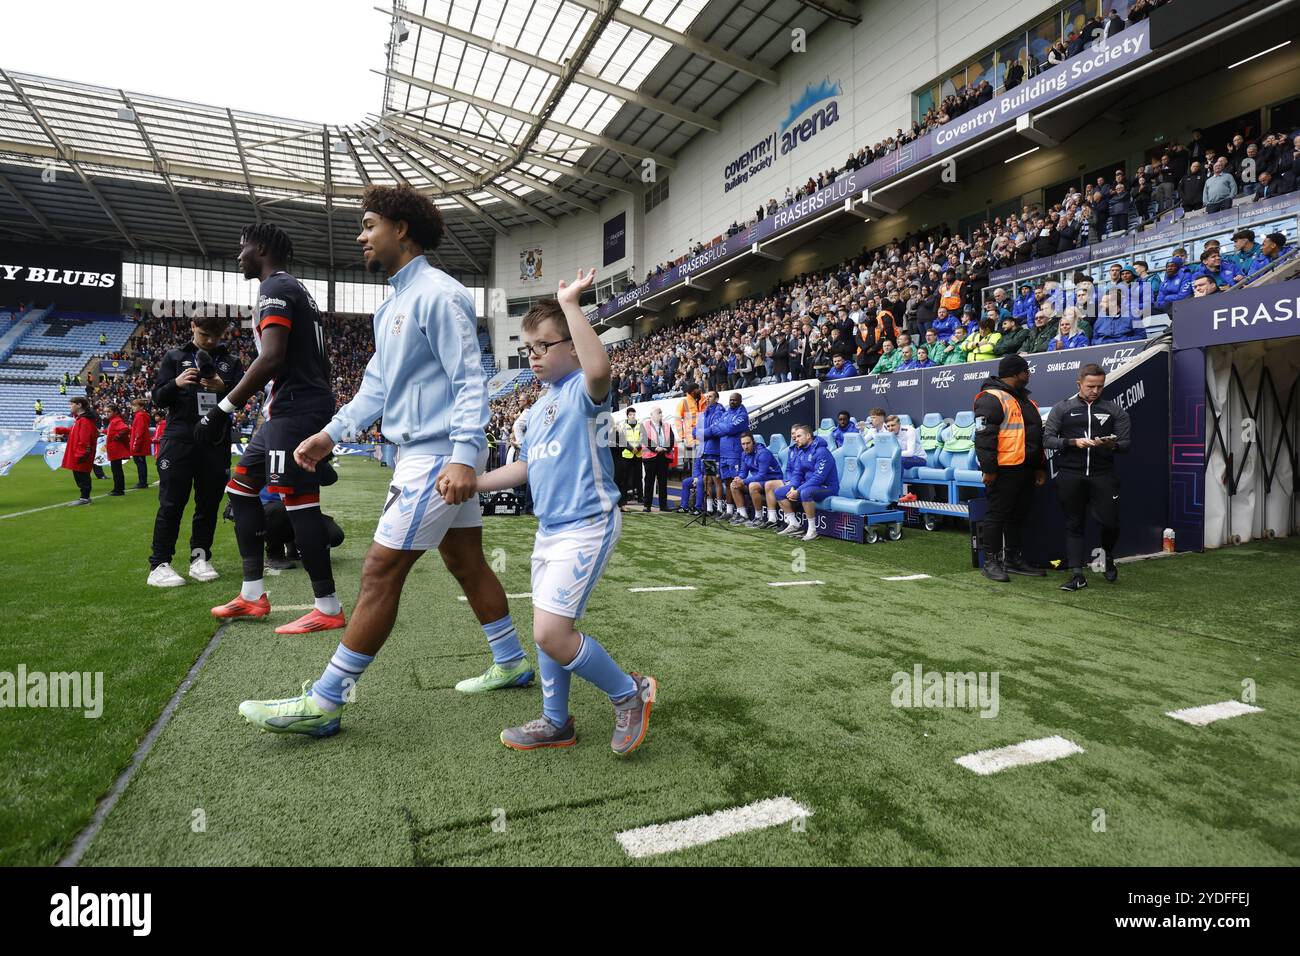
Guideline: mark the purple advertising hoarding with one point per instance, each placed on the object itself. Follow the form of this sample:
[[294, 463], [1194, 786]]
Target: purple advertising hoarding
[[1246, 315]]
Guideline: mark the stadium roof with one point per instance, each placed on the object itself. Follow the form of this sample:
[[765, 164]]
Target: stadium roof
[[505, 111]]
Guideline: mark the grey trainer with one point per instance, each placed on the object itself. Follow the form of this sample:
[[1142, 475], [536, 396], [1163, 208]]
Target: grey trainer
[[632, 715], [540, 733]]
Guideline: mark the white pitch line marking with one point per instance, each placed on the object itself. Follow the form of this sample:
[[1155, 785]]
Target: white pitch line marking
[[908, 577], [790, 584], [67, 504], [1209, 713], [985, 762], [709, 827], [521, 594], [676, 587]]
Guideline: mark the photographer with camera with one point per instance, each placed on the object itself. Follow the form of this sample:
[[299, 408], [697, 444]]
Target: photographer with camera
[[192, 379], [1085, 431]]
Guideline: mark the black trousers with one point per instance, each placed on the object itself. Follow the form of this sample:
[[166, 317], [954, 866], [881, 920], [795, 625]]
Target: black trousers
[[141, 469], [1009, 499], [82, 478], [119, 479], [1079, 493], [656, 473], [632, 479], [182, 466], [99, 472]]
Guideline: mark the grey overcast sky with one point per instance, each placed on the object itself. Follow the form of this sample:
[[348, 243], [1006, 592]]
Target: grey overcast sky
[[293, 58]]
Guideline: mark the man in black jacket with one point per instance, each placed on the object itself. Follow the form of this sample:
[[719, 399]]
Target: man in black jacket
[[1192, 188], [191, 380], [1009, 446], [1085, 432]]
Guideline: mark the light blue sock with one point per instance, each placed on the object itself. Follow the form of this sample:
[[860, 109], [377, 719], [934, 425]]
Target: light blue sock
[[341, 675], [503, 641], [555, 688], [593, 664]]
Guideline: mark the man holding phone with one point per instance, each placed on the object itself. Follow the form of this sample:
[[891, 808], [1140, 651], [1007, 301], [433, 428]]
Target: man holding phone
[[1085, 432]]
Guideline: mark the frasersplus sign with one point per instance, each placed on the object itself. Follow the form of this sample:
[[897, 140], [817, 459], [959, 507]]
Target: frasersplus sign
[[786, 217], [1105, 57], [1243, 315]]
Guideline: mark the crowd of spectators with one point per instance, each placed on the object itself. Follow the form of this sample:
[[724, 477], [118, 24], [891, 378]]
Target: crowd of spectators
[[1142, 202], [918, 301], [350, 342]]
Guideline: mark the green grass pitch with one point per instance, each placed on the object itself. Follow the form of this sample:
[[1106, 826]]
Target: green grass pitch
[[764, 692]]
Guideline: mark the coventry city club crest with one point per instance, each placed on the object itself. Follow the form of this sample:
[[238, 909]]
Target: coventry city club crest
[[550, 412], [397, 324]]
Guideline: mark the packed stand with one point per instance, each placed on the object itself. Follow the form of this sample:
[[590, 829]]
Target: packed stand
[[1101, 27]]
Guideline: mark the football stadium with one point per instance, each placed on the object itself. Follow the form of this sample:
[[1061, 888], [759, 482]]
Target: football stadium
[[889, 413]]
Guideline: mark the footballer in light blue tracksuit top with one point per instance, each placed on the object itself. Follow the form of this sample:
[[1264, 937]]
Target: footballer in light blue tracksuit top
[[426, 381], [567, 463]]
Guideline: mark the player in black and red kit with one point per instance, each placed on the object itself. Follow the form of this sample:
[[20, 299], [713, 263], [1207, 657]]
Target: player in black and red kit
[[291, 356]]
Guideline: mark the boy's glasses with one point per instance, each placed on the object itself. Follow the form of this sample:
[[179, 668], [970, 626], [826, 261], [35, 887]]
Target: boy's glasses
[[540, 348]]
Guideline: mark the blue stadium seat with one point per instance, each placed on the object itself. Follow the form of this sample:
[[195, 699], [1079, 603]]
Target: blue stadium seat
[[905, 420], [965, 465], [782, 455], [931, 420], [758, 439], [854, 444], [778, 444], [887, 484], [826, 425], [850, 500]]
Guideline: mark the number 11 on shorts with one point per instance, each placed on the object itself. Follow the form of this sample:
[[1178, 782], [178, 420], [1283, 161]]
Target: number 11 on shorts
[[276, 460]]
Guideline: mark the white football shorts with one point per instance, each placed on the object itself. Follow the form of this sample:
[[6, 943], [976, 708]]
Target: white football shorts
[[567, 565], [415, 516]]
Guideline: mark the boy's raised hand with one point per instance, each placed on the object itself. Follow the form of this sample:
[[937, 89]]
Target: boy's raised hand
[[569, 294]]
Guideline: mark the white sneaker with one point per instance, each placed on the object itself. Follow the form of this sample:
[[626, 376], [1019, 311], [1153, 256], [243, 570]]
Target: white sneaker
[[164, 577], [789, 529], [201, 570], [812, 532]]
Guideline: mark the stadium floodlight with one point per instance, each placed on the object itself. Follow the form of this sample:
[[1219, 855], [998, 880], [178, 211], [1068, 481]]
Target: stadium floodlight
[[401, 30], [126, 115], [339, 146], [1259, 54], [1012, 159]]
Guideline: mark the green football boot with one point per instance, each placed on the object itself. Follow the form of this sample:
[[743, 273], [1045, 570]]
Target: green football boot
[[515, 674], [292, 715]]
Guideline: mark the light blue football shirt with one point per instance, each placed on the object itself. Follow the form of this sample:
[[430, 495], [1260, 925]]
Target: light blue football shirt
[[570, 472]]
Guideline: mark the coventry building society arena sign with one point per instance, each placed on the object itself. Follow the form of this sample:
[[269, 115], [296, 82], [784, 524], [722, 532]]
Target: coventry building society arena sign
[[761, 155]]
